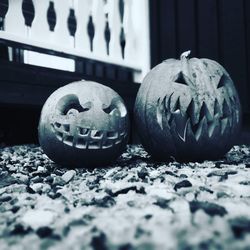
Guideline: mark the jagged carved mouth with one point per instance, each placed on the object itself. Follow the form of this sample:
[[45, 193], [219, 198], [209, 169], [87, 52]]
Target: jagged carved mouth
[[86, 138], [196, 123]]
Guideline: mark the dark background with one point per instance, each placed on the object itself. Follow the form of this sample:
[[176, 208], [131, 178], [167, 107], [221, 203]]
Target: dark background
[[215, 29]]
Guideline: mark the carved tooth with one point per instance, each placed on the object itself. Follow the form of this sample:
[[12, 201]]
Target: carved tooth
[[217, 109], [191, 112], [59, 136], [83, 131], [177, 106], [181, 123], [237, 114], [183, 137], [57, 124], [68, 140], [224, 124], [159, 111], [170, 120], [94, 145], [81, 143], [53, 127], [225, 109], [202, 128], [204, 112], [66, 128], [168, 102], [232, 100], [168, 108], [96, 133], [163, 102], [112, 135], [215, 125], [189, 130]]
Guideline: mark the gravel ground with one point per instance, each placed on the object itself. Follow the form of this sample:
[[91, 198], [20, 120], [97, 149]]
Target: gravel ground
[[134, 204]]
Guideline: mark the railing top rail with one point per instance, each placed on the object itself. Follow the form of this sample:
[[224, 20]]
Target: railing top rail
[[12, 40]]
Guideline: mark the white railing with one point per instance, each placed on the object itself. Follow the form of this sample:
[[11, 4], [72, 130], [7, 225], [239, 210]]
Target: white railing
[[133, 25]]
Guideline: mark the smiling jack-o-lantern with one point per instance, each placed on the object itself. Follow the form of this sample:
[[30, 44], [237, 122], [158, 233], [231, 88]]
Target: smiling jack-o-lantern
[[188, 109], [83, 124]]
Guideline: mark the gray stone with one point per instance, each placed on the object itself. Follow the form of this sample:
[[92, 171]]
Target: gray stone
[[38, 218], [68, 176]]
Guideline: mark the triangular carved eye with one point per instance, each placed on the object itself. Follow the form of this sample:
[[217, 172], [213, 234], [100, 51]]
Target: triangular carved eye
[[223, 81], [181, 79]]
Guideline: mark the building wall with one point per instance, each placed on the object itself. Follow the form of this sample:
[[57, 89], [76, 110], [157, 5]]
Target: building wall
[[215, 29]]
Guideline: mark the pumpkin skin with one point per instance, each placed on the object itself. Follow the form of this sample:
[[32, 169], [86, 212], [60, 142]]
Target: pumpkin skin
[[188, 109], [83, 124]]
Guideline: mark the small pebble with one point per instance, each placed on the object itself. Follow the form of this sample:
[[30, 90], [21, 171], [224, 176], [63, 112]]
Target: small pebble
[[41, 169], [12, 168], [240, 226], [182, 184], [5, 198], [14, 209], [36, 179], [143, 173], [44, 232], [37, 187], [211, 209], [20, 229], [68, 176], [38, 218], [106, 201], [58, 180]]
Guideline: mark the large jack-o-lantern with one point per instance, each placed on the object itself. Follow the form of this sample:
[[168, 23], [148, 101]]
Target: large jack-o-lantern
[[83, 124], [188, 109]]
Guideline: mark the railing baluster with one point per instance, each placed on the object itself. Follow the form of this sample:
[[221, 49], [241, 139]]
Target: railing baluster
[[130, 47], [105, 29], [99, 43], [138, 50], [14, 19], [115, 28], [83, 10], [39, 30], [61, 33]]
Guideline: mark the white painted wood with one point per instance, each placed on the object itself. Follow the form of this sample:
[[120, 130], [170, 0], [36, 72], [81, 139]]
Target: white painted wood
[[135, 23], [130, 46], [49, 61], [141, 24], [61, 33], [99, 43], [67, 51], [39, 30], [83, 11], [115, 29], [14, 19]]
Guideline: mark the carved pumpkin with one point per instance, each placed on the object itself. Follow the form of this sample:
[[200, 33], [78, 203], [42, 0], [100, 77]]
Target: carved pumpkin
[[188, 109], [83, 124]]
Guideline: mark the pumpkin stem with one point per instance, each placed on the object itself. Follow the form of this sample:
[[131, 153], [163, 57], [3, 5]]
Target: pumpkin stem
[[185, 55], [184, 63]]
